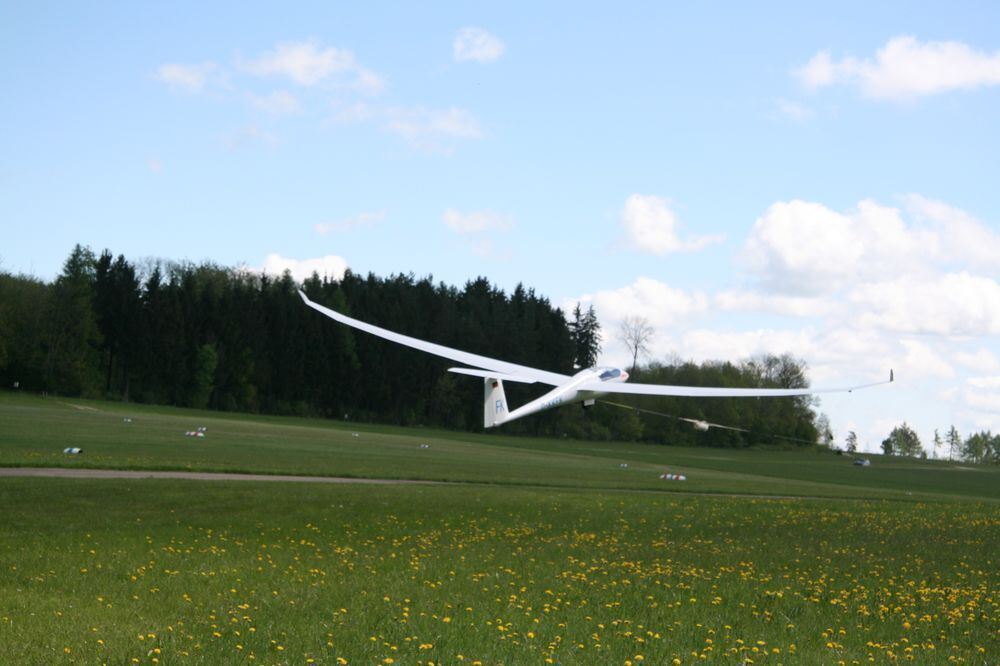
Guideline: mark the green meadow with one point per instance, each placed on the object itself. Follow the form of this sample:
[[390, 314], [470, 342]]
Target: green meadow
[[543, 551]]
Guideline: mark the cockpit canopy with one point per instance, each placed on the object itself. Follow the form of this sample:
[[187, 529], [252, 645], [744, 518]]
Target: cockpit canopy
[[609, 373]]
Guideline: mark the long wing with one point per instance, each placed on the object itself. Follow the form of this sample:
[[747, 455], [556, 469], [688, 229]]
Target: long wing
[[492, 374], [713, 392], [522, 372]]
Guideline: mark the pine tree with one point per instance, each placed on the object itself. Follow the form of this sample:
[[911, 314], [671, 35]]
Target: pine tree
[[586, 333], [73, 337]]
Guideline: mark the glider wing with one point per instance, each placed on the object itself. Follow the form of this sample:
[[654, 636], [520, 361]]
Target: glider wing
[[490, 374], [511, 371], [716, 392]]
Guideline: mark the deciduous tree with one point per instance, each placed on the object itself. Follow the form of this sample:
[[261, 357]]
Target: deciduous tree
[[902, 441], [851, 442], [635, 333]]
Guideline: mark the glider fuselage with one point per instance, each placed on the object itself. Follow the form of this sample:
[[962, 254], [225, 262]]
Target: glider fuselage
[[564, 394]]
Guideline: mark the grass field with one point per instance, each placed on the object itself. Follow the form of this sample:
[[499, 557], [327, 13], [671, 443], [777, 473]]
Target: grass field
[[549, 556], [34, 432]]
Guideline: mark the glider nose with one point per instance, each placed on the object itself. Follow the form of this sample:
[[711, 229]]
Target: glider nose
[[624, 376]]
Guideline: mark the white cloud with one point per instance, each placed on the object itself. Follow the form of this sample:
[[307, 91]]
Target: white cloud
[[479, 230], [806, 248], [279, 102], [661, 304], [308, 64], [433, 129], [794, 110], [709, 344], [921, 361], [949, 304], [836, 356], [651, 226], [958, 238], [778, 304], [984, 401], [982, 360], [486, 248], [476, 221], [905, 68], [186, 78], [477, 45], [349, 223], [819, 72], [429, 130], [983, 394], [248, 135], [330, 266], [356, 112], [984, 382]]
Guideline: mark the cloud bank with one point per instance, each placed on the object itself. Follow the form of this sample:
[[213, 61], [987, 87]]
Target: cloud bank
[[905, 68]]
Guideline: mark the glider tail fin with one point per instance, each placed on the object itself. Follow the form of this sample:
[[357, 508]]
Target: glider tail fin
[[494, 403]]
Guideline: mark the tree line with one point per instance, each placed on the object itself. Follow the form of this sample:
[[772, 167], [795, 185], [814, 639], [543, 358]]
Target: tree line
[[213, 337], [979, 447]]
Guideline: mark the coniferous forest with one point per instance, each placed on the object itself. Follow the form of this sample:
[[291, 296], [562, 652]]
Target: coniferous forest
[[227, 339]]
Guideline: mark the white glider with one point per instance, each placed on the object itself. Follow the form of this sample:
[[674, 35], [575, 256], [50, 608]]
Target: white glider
[[585, 386]]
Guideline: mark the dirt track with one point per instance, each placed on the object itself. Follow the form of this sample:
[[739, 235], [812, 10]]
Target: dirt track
[[85, 473], [82, 473]]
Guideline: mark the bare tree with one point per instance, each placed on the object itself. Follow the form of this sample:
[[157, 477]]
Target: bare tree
[[635, 333]]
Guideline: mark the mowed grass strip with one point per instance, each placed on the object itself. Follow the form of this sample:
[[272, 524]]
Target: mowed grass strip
[[34, 431], [163, 572]]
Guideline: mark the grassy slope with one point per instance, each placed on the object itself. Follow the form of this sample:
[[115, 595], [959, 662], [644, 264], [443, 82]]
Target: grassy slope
[[162, 572], [33, 432]]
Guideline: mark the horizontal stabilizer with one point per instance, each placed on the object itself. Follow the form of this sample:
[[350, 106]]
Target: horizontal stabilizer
[[495, 375]]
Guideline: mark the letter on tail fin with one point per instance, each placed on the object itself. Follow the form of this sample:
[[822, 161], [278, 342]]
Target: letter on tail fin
[[495, 402]]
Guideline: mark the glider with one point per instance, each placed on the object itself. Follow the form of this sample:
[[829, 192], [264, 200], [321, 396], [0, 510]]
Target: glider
[[585, 386]]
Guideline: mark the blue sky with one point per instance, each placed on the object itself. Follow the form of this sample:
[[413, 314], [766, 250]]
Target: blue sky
[[770, 178]]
